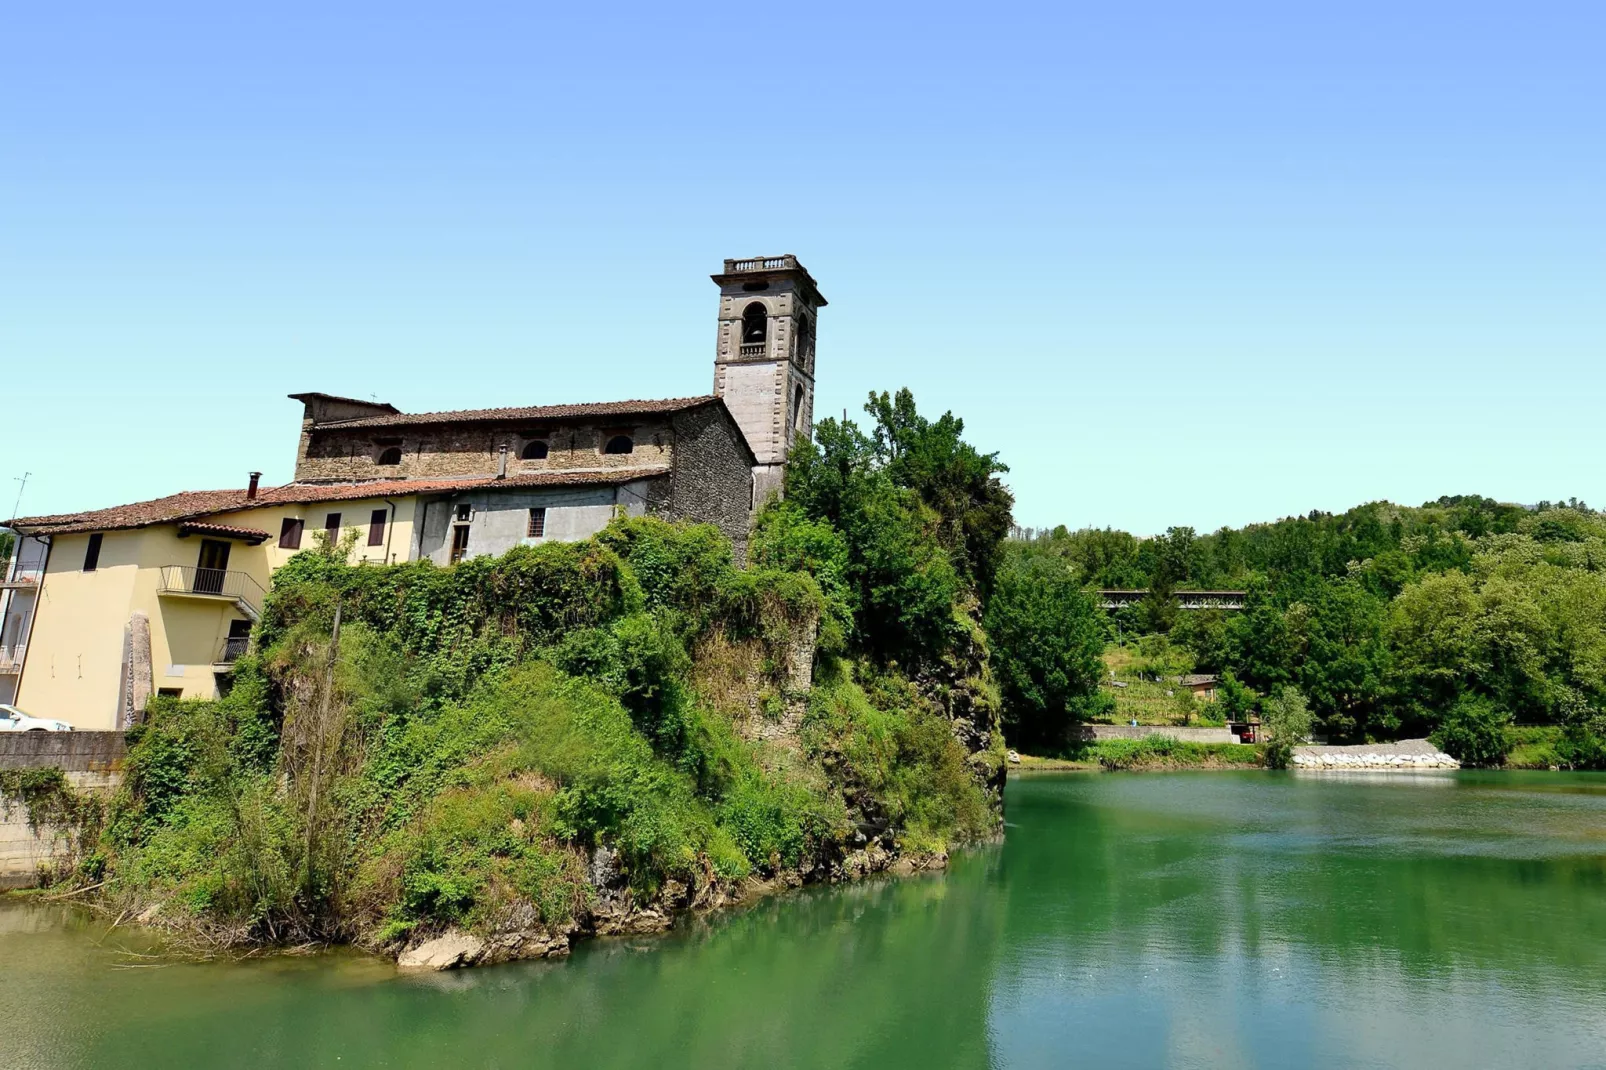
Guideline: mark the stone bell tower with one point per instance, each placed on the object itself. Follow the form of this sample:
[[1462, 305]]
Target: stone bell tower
[[764, 358]]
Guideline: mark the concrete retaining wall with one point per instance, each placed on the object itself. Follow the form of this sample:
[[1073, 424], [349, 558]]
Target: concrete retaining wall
[[1095, 732], [73, 752], [93, 761], [24, 851]]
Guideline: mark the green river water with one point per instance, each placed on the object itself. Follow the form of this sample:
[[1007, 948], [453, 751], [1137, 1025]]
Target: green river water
[[1178, 920]]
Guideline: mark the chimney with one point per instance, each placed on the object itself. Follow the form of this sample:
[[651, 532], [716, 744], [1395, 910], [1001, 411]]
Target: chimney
[[501, 464], [251, 488]]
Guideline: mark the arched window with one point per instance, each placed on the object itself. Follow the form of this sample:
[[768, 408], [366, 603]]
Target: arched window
[[534, 451], [390, 455], [619, 444], [755, 322]]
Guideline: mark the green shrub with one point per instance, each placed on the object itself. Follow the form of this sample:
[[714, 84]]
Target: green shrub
[[1475, 732]]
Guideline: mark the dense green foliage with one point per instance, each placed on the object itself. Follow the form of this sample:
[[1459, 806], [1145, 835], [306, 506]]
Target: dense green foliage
[[921, 517], [411, 747], [1391, 621], [456, 751], [1046, 636]]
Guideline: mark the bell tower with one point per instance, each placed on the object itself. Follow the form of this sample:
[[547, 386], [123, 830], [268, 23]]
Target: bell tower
[[764, 358]]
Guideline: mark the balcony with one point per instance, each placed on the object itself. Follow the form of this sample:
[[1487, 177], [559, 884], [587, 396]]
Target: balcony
[[755, 349], [11, 658], [188, 581], [28, 576], [233, 649]]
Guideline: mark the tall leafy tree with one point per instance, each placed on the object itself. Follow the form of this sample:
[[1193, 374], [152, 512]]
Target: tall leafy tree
[[1046, 639]]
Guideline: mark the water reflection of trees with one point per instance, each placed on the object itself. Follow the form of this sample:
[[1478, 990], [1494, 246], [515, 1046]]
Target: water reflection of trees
[[884, 974], [1240, 873]]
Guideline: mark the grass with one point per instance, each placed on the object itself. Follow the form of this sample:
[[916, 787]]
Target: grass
[[1152, 753], [1148, 702], [1534, 747]]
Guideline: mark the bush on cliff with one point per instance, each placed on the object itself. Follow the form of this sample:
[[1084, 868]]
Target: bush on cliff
[[460, 747]]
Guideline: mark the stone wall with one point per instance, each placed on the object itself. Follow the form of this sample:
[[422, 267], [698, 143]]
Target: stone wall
[[712, 480], [93, 762], [74, 752], [26, 851], [1095, 732], [460, 450]]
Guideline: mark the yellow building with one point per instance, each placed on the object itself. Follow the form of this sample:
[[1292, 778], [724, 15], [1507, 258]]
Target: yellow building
[[112, 604]]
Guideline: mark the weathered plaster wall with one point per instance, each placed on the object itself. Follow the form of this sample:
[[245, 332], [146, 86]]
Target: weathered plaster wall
[[501, 517]]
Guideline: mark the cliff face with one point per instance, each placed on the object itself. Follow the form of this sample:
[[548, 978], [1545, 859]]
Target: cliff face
[[517, 752]]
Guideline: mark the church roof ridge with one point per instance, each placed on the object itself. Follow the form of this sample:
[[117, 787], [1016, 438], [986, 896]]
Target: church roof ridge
[[643, 407]]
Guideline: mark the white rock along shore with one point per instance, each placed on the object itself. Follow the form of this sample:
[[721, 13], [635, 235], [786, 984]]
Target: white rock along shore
[[1406, 756]]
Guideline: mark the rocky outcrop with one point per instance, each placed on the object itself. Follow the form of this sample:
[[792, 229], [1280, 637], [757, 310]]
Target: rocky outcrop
[[1406, 756], [445, 952], [615, 912]]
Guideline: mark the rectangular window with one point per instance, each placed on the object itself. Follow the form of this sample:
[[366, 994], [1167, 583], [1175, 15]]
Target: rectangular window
[[331, 524], [170, 692], [290, 533], [537, 527], [459, 542], [92, 553], [465, 512], [376, 528]]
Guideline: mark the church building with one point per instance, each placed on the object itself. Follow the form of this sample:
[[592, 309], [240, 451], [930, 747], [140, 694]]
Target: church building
[[101, 608]]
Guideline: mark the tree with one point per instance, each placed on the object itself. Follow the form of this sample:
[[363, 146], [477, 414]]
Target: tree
[[952, 477], [1046, 640], [1433, 632], [1286, 720], [1475, 732]]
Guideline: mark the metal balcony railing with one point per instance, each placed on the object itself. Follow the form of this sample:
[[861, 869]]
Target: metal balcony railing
[[11, 658], [215, 582], [29, 574], [233, 649]]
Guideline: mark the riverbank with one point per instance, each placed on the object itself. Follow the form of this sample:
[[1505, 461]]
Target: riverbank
[[1098, 917], [1149, 754]]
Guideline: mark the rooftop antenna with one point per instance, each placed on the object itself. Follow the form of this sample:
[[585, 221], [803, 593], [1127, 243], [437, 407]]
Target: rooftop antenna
[[22, 482]]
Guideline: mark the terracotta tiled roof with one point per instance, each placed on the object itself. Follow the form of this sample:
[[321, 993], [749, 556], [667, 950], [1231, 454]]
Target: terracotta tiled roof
[[174, 507], [531, 413], [228, 531], [190, 506]]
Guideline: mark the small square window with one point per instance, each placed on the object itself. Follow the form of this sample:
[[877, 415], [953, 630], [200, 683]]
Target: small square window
[[290, 533], [465, 512], [537, 528]]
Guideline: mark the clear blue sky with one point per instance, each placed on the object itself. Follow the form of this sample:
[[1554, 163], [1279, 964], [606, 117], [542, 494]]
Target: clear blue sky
[[1178, 263]]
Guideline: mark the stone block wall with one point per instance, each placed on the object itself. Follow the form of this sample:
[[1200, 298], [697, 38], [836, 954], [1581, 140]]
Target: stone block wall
[[1094, 732], [74, 752], [456, 451], [712, 479]]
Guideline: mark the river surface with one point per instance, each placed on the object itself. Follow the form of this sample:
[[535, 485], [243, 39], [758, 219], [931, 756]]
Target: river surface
[[1129, 920]]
